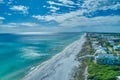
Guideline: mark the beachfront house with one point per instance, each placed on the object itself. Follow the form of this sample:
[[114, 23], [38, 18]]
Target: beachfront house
[[106, 59], [112, 43], [95, 45], [103, 56], [102, 50], [116, 39], [117, 77], [116, 47]]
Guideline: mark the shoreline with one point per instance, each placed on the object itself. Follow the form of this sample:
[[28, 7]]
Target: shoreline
[[60, 66]]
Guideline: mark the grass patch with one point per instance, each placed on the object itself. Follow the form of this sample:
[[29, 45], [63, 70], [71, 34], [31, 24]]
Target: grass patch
[[103, 72]]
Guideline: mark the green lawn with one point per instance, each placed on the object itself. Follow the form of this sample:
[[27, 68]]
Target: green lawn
[[103, 72]]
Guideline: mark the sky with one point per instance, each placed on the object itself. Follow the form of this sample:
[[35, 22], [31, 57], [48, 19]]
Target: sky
[[59, 15]]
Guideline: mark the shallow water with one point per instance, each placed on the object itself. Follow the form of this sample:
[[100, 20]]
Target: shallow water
[[20, 53]]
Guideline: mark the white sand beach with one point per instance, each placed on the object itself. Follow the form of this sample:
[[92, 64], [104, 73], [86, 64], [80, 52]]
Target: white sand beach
[[60, 66]]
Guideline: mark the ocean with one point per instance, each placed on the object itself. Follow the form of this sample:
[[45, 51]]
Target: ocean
[[21, 53]]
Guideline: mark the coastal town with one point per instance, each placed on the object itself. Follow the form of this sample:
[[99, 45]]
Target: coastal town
[[106, 48], [100, 57]]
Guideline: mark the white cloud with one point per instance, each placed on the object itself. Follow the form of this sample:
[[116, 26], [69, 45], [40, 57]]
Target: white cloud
[[24, 27], [67, 2], [10, 2], [20, 8], [39, 17], [74, 19], [27, 24], [2, 18], [59, 4], [77, 18], [9, 14], [96, 21], [94, 5], [88, 6], [111, 7], [53, 8], [91, 5], [82, 21], [60, 17]]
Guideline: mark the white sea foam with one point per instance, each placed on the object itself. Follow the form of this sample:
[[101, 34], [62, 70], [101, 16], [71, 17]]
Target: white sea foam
[[59, 67], [30, 53]]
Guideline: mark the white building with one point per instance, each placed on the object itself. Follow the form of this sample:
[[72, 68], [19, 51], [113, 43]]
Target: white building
[[116, 47], [103, 57], [117, 77]]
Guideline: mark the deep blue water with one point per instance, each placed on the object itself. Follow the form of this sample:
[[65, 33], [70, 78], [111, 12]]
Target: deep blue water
[[19, 53]]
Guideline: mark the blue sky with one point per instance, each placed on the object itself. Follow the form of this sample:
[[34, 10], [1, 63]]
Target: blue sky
[[59, 15]]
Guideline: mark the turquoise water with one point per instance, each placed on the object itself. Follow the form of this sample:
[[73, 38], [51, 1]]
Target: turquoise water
[[20, 53]]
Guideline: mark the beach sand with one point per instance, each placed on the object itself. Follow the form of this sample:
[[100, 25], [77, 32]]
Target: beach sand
[[60, 66]]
